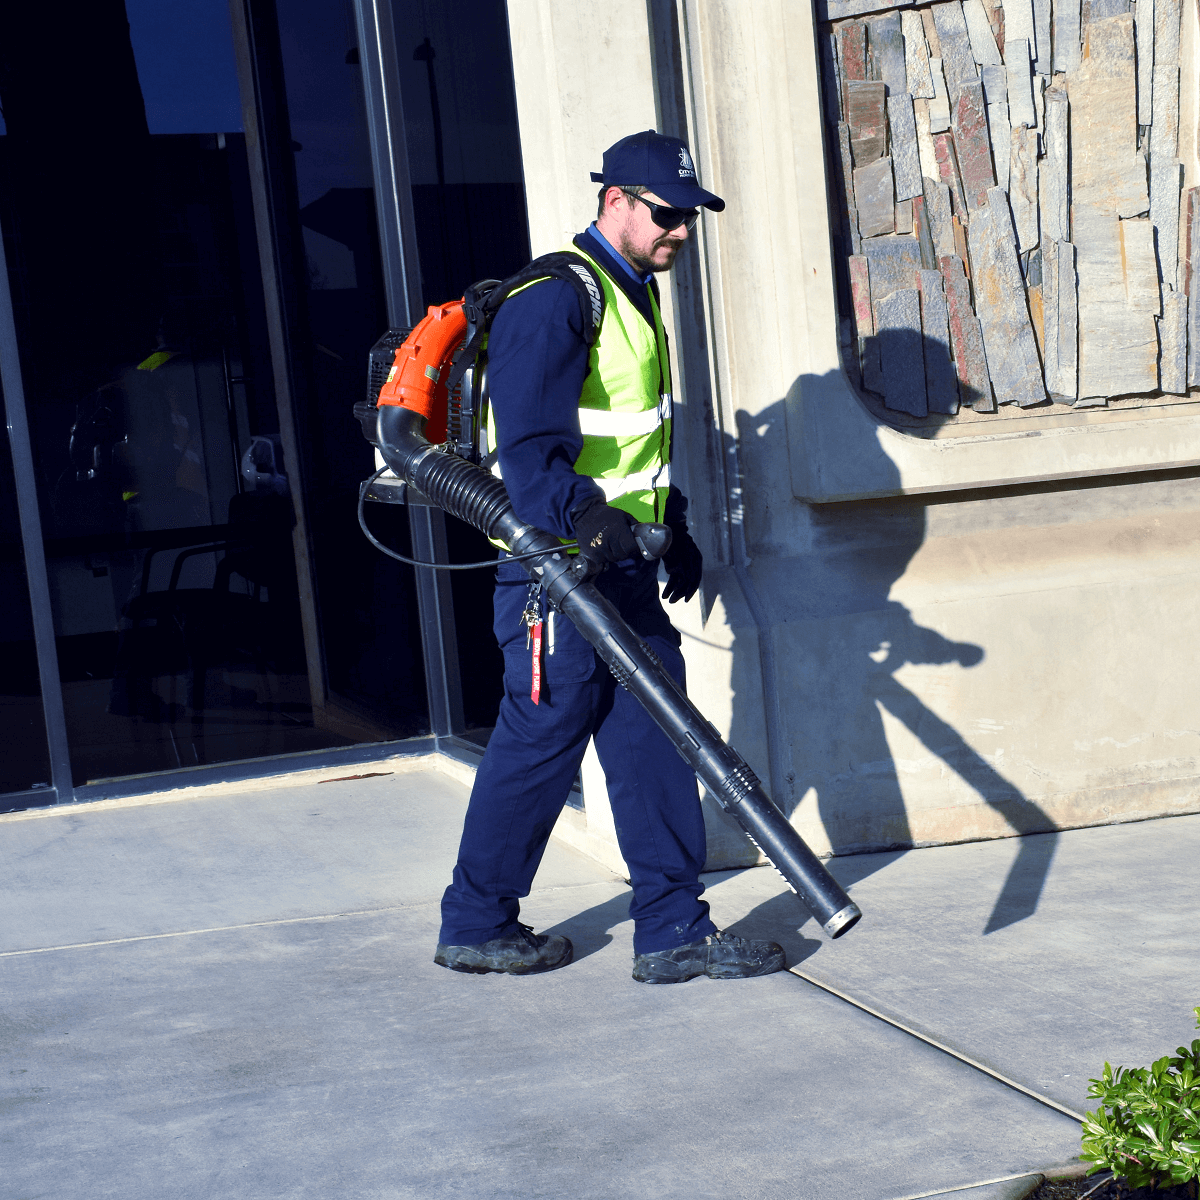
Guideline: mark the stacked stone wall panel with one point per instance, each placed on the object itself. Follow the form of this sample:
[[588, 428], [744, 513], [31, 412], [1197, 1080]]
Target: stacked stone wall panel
[[1012, 201]]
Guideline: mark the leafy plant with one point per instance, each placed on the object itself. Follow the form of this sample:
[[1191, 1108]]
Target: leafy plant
[[1146, 1128]]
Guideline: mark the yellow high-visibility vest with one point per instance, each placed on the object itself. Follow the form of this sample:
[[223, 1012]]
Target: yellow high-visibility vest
[[625, 405]]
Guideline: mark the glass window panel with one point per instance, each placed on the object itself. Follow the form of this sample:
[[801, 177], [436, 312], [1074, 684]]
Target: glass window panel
[[150, 393], [366, 602]]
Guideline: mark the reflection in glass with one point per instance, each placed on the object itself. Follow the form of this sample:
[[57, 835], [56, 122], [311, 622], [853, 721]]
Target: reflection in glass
[[134, 271]]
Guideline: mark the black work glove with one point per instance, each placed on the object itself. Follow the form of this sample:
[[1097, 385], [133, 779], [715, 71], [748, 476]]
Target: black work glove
[[685, 565], [605, 534]]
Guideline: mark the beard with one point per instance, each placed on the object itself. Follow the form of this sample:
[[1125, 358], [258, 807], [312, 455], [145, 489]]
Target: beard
[[661, 257]]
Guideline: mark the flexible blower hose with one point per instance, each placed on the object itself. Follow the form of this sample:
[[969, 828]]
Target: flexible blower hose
[[471, 494]]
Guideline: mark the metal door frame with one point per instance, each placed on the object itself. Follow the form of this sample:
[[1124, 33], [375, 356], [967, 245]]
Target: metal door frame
[[377, 55], [61, 789]]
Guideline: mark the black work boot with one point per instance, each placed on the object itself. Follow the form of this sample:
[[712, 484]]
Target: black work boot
[[520, 953], [719, 956]]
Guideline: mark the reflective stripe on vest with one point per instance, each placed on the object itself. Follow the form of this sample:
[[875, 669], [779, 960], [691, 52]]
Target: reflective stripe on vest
[[597, 422], [644, 481]]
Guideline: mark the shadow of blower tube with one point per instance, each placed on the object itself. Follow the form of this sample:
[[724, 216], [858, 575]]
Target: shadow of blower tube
[[473, 495]]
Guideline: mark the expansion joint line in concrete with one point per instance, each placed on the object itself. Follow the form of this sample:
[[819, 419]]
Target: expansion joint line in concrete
[[924, 1037], [178, 933], [967, 1187]]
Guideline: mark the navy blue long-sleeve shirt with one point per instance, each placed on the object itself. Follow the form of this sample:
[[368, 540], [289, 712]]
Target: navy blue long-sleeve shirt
[[537, 362]]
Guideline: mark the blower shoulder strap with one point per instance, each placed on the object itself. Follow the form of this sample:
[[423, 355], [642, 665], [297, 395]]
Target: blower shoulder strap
[[482, 300]]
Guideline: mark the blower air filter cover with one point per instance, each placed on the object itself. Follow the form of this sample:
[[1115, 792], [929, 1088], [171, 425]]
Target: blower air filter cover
[[422, 363]]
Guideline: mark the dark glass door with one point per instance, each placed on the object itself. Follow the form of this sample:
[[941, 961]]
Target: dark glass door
[[193, 257], [166, 502], [464, 161], [318, 171]]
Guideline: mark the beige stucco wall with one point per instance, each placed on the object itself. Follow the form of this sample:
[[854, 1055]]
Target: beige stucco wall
[[929, 661]]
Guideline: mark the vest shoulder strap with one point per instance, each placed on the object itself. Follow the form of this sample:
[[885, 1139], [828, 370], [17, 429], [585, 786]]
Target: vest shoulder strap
[[482, 300]]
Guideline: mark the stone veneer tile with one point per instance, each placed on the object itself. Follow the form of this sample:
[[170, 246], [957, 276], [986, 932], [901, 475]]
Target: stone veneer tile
[[923, 234], [1060, 321], [1172, 336], [1008, 337], [916, 57], [1107, 170], [1166, 176], [1118, 345], [1067, 35], [948, 172], [875, 198], [901, 356], [939, 106], [1068, 322], [1143, 28], [979, 30], [1043, 62], [1164, 137], [1191, 273], [850, 234], [971, 144], [852, 53], [1020, 83], [1098, 10], [941, 383], [866, 116], [958, 60], [1023, 188], [894, 264], [860, 296], [1040, 48], [928, 156], [1050, 315], [1019, 25], [941, 223], [906, 157], [995, 92], [1140, 266], [1052, 170], [970, 364], [885, 40]]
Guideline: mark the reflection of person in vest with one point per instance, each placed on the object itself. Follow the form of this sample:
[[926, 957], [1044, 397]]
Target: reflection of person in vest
[[583, 442]]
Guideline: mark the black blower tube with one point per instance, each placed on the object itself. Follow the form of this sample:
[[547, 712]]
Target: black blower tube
[[468, 492]]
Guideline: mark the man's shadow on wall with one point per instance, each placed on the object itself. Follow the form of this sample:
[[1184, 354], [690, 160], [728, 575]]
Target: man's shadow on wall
[[853, 639]]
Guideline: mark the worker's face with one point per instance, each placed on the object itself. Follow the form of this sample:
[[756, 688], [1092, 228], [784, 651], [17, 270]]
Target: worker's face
[[642, 243]]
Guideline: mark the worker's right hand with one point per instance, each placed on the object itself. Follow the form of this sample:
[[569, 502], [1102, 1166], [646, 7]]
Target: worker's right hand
[[605, 534]]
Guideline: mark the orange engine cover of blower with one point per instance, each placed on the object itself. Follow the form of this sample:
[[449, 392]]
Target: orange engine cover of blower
[[422, 362]]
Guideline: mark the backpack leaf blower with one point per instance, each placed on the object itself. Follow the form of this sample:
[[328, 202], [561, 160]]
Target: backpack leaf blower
[[414, 400]]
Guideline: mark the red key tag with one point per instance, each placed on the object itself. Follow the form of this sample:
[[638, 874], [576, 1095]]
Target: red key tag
[[535, 692]]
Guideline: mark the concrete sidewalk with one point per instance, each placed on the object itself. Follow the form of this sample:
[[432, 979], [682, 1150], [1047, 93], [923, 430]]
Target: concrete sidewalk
[[231, 994]]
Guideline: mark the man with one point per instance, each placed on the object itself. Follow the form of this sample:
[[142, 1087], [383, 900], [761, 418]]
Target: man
[[583, 444]]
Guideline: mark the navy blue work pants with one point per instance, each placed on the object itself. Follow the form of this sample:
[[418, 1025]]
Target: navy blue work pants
[[532, 761]]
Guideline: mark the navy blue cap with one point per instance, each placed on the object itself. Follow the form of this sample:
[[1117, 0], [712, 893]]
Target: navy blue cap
[[660, 164]]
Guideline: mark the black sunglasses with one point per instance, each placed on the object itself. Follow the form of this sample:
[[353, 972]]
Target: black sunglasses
[[666, 217]]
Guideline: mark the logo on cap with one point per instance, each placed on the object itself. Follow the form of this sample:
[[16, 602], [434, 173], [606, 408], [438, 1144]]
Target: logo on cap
[[686, 170]]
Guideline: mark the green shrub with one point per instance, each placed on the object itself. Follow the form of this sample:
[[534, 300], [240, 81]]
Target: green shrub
[[1146, 1128]]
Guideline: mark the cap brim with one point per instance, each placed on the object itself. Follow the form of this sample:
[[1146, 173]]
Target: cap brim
[[688, 195]]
